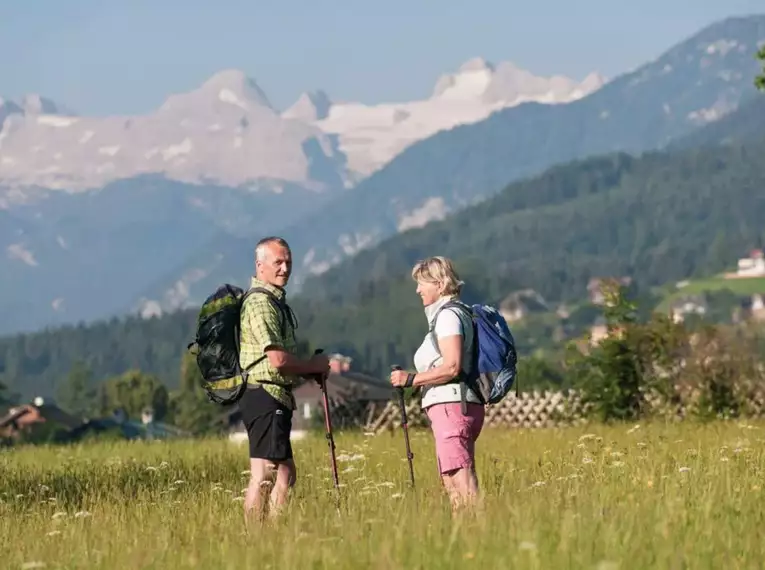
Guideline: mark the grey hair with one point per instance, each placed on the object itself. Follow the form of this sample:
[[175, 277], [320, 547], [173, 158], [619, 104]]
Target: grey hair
[[260, 247]]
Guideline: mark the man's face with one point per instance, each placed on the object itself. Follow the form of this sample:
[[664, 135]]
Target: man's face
[[276, 265]]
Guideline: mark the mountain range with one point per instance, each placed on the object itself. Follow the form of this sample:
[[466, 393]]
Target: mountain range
[[227, 132], [150, 213]]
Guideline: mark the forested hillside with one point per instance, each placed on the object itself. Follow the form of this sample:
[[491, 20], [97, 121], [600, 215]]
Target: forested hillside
[[37, 363], [658, 218]]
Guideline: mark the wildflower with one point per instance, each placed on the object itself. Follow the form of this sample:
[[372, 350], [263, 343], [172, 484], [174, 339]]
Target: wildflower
[[350, 457]]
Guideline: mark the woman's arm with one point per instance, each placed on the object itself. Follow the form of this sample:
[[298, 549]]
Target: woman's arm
[[451, 351]]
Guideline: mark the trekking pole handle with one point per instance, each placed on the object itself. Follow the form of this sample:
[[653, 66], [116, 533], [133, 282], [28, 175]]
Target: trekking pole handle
[[318, 377]]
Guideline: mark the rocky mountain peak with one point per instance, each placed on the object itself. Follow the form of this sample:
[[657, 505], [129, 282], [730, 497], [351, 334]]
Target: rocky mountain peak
[[310, 106]]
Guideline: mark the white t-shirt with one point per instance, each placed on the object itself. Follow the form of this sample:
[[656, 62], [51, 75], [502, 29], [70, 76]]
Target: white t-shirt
[[427, 356]]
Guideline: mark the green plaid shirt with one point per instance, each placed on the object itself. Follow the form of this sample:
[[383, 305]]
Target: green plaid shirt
[[261, 327]]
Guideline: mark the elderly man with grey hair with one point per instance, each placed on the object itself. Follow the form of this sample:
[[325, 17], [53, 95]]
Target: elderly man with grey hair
[[268, 346]]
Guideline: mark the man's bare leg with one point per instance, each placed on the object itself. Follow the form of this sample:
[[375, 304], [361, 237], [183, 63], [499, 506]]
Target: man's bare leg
[[261, 472], [285, 480]]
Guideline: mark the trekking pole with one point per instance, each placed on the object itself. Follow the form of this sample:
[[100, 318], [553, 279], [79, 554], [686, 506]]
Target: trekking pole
[[405, 425], [328, 425]]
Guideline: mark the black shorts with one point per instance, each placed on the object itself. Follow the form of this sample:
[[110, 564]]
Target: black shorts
[[268, 423]]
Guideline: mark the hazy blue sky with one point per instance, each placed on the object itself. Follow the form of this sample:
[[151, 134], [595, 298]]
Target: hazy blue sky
[[125, 56]]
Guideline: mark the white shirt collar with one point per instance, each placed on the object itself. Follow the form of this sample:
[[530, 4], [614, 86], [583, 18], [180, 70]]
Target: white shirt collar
[[432, 309]]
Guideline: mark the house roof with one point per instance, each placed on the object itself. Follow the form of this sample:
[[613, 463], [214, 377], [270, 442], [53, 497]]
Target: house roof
[[45, 412], [348, 384]]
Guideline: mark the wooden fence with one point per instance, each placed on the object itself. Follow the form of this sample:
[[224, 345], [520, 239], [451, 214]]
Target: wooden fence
[[527, 410]]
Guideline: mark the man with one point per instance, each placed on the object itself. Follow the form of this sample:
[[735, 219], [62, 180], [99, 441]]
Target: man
[[268, 345]]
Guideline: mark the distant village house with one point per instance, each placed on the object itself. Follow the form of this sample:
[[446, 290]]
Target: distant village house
[[752, 266]]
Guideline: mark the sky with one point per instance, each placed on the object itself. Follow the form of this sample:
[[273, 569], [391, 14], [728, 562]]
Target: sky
[[101, 57]]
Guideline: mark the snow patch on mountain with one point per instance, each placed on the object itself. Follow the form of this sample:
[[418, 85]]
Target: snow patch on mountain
[[434, 208], [372, 135], [19, 252]]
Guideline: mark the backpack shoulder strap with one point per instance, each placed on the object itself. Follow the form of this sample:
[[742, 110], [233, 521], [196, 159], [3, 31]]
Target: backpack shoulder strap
[[464, 313]]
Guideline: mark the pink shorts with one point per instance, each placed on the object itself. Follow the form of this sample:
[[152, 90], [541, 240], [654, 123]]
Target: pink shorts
[[455, 434]]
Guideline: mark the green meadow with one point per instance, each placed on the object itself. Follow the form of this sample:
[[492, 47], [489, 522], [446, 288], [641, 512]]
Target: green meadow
[[683, 495]]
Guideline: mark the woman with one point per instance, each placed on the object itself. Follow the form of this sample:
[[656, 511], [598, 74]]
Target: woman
[[454, 433]]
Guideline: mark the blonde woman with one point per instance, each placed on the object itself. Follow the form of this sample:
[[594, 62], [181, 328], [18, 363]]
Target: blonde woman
[[455, 427]]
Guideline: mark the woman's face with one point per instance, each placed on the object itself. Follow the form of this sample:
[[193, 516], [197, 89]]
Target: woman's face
[[429, 292]]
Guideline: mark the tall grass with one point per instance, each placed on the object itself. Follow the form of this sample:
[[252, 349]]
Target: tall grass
[[655, 496]]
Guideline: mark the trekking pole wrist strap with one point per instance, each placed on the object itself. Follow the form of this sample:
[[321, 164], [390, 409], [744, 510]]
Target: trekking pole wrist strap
[[409, 380]]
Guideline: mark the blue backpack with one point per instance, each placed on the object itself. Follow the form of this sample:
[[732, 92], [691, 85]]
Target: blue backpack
[[493, 370]]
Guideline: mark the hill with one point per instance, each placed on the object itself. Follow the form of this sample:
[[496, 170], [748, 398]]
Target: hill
[[660, 217], [91, 255], [696, 82], [743, 125], [692, 84], [657, 218]]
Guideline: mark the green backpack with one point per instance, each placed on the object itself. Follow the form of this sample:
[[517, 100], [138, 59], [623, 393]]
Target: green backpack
[[216, 345]]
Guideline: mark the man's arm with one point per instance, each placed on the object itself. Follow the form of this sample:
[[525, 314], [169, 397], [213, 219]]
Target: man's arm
[[287, 363]]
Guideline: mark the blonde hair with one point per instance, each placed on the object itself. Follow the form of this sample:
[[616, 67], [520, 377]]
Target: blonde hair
[[438, 270]]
